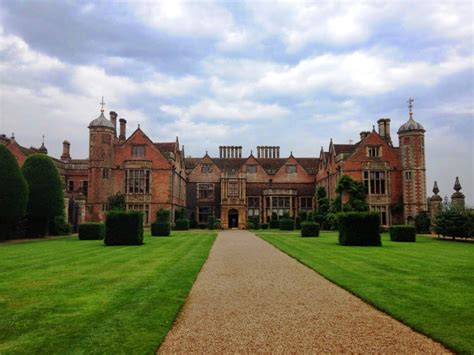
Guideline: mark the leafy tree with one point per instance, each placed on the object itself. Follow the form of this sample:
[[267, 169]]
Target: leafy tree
[[422, 222], [117, 202], [322, 209], [13, 193], [356, 192], [46, 199], [452, 222]]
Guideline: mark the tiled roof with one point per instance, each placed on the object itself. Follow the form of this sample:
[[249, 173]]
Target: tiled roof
[[229, 164], [309, 164], [272, 165], [344, 148], [166, 148], [191, 163]]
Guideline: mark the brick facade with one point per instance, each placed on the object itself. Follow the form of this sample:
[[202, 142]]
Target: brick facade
[[155, 175]]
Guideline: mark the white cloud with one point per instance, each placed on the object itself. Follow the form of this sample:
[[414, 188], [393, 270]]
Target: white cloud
[[184, 18], [232, 111], [164, 85]]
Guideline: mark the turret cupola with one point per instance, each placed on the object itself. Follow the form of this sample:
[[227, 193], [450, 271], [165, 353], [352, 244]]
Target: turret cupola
[[101, 121], [411, 124]]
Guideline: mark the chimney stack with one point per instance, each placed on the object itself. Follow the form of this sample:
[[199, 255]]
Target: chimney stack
[[384, 129], [66, 156], [123, 129], [113, 119], [364, 134]]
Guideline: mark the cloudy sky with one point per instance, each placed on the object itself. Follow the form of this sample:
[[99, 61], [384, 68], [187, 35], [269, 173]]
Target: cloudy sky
[[243, 73]]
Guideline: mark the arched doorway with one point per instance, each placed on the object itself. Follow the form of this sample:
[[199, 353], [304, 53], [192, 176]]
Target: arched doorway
[[233, 218]]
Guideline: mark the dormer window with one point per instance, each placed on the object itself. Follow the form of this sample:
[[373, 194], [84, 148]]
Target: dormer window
[[291, 169], [373, 151], [251, 169], [206, 168], [138, 151]]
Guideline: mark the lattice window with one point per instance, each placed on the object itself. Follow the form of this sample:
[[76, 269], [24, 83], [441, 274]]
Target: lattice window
[[138, 150], [138, 181], [233, 189], [205, 191], [375, 182]]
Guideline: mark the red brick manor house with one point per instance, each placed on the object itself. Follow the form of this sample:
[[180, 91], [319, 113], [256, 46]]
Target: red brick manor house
[[154, 175]]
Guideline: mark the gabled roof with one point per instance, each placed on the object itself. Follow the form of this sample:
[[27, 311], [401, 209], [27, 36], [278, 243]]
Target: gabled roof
[[272, 165], [229, 164], [309, 164], [191, 163], [166, 148], [344, 148]]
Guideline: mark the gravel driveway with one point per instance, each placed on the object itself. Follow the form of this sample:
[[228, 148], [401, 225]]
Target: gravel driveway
[[250, 297]]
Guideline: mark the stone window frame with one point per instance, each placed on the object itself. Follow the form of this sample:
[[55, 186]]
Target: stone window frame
[[291, 169], [375, 182], [202, 187], [383, 211], [137, 181], [307, 198], [70, 185], [374, 151], [251, 169], [233, 189], [408, 175], [204, 213], [253, 206], [138, 150], [206, 168]]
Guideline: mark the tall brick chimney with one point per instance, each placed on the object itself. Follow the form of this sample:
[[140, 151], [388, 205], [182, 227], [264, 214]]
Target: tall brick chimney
[[113, 119], [65, 156], [123, 129], [384, 129]]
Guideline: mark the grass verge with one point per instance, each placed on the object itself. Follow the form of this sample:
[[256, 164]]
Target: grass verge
[[70, 296], [428, 285]]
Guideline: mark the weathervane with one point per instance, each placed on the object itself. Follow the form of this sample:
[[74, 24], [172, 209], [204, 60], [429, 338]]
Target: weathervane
[[102, 104], [43, 139], [410, 106]]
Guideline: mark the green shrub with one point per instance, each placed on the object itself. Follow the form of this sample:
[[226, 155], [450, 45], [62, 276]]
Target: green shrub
[[402, 233], [182, 224], [163, 215], [58, 226], [249, 225], [124, 228], [359, 228], [193, 223], [332, 222], [298, 222], [91, 231], [303, 215], [160, 229], [45, 199], [264, 226], [13, 193], [274, 222], [422, 223], [453, 223], [309, 229], [253, 222], [212, 222], [202, 225], [180, 213], [287, 224]]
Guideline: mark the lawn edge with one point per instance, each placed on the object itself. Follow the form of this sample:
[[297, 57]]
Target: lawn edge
[[178, 313], [368, 301]]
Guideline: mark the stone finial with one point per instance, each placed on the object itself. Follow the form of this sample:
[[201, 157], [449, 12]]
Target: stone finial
[[435, 188], [457, 185]]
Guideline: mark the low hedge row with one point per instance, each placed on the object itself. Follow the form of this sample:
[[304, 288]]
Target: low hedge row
[[287, 224], [264, 226], [402, 233], [124, 228], [310, 229], [359, 228], [182, 224], [91, 231], [160, 229]]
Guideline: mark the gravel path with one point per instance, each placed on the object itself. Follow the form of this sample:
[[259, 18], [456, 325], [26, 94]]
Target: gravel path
[[250, 297]]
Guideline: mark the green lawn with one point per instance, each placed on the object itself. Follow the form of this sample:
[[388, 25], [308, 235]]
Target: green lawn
[[428, 285], [71, 296]]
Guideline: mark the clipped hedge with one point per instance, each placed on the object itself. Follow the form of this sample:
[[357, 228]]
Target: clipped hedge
[[124, 228], [264, 226], [163, 215], [274, 223], [359, 228], [91, 231], [59, 226], [402, 233], [287, 224], [298, 222], [182, 224], [160, 229], [202, 225], [310, 229]]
